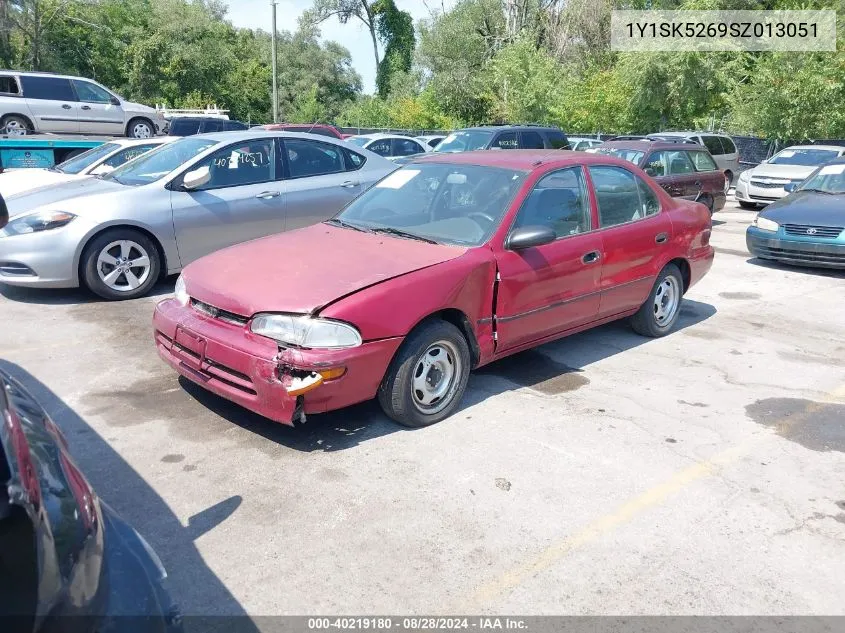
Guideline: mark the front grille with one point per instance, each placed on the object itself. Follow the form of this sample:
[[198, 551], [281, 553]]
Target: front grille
[[801, 256], [810, 230], [16, 269], [769, 185], [765, 198], [217, 313]]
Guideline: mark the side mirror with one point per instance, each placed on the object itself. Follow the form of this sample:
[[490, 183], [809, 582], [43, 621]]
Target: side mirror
[[764, 161], [790, 187], [196, 178], [4, 213], [114, 101], [530, 236]]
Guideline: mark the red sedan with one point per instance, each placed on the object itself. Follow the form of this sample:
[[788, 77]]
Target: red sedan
[[445, 265]]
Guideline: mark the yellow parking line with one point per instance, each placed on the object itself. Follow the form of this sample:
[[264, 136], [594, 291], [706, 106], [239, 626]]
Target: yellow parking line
[[512, 578]]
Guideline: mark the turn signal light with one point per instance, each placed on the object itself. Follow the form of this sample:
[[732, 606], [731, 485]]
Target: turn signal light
[[332, 373]]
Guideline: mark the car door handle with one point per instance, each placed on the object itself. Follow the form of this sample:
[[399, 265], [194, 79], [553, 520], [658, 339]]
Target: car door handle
[[65, 106], [661, 238], [267, 195], [591, 258], [86, 107], [349, 184]]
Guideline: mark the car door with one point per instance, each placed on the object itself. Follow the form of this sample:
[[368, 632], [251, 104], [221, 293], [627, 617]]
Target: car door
[[97, 113], [320, 178], [52, 102], [686, 180], [656, 165], [634, 231], [242, 199], [554, 287]]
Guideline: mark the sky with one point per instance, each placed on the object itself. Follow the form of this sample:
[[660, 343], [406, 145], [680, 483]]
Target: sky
[[254, 14]]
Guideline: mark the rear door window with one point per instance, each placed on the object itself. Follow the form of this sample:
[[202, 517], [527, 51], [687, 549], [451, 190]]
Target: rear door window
[[713, 144], [728, 145], [655, 165], [703, 161], [678, 163], [406, 147], [506, 140], [52, 88], [532, 140], [311, 158], [617, 194], [380, 147]]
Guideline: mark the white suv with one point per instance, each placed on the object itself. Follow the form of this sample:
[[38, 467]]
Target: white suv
[[44, 102]]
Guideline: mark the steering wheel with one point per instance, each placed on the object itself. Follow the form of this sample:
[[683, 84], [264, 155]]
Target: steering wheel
[[480, 214]]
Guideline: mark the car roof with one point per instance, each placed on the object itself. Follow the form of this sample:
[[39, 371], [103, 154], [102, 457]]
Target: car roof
[[685, 134], [838, 148], [583, 138], [377, 135], [519, 159], [255, 133], [128, 142], [645, 146], [496, 128]]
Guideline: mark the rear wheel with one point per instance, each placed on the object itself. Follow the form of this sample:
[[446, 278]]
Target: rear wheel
[[428, 376], [121, 264], [728, 180], [15, 125], [658, 315], [746, 205]]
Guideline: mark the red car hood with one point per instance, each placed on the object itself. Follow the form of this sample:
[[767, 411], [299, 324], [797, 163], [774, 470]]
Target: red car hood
[[304, 270]]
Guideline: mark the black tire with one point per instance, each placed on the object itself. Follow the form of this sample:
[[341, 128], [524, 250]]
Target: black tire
[[90, 259], [645, 321], [729, 178], [747, 205], [133, 126], [396, 392], [19, 125]]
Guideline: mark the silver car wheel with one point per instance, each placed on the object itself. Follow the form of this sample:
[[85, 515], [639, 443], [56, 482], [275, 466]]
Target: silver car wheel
[[123, 266], [435, 379], [15, 127], [141, 130], [666, 301]]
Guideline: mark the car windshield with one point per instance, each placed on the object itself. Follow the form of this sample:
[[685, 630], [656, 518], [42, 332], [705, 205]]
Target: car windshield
[[448, 203], [631, 155], [159, 162], [360, 141], [804, 157], [464, 141], [86, 159], [829, 179]]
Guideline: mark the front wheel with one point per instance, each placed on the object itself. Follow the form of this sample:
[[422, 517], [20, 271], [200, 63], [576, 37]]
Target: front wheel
[[121, 264], [140, 128], [658, 315], [746, 205], [428, 376]]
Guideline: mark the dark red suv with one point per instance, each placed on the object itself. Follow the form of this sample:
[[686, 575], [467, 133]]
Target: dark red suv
[[684, 170]]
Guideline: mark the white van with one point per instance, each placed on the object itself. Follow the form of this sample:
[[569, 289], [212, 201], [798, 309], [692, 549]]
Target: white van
[[33, 102]]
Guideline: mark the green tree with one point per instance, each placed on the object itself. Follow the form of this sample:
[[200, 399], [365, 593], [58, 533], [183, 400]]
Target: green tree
[[396, 32]]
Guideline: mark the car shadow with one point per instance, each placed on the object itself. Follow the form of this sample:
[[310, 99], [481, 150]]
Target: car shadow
[[808, 270], [195, 587], [536, 368], [71, 296]]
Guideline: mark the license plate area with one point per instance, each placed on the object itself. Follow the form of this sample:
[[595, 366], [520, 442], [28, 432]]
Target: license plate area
[[189, 348]]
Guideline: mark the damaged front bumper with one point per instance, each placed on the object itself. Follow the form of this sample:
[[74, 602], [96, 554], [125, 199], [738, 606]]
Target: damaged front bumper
[[282, 384]]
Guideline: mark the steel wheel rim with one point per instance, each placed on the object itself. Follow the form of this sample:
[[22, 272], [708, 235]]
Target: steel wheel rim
[[124, 266], [14, 128], [141, 130], [666, 301], [435, 378]]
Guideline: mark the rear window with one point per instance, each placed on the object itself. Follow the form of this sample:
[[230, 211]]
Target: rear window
[[52, 88], [532, 140], [9, 86], [631, 155]]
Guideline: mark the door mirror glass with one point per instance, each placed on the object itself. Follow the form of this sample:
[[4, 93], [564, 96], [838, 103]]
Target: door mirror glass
[[196, 178], [790, 187], [530, 237], [114, 101]]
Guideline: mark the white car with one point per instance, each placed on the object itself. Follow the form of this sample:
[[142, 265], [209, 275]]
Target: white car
[[765, 183], [33, 102], [432, 140], [96, 161], [389, 145]]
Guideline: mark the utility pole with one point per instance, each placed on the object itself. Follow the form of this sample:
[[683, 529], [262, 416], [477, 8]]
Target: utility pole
[[273, 3]]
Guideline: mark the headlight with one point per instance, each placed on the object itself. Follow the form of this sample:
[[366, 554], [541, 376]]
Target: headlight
[[37, 222], [181, 291], [304, 331], [764, 224], [745, 176]]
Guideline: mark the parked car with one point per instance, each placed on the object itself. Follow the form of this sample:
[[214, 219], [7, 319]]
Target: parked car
[[95, 162], [807, 227], [580, 144], [45, 102], [504, 137], [721, 148], [444, 266], [432, 140], [190, 125], [767, 181], [67, 559], [682, 170], [119, 233], [320, 129], [389, 145]]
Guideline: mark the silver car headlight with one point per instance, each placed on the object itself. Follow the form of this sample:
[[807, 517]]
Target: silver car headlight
[[305, 331], [764, 224], [37, 222], [745, 176], [181, 292]]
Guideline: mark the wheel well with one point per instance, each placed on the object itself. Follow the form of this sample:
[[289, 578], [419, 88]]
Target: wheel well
[[131, 227], [683, 266], [460, 321], [23, 116]]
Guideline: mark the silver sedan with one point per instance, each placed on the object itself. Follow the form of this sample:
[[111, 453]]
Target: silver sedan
[[118, 234]]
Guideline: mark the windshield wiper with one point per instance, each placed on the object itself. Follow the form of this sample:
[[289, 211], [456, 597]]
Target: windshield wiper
[[400, 233], [830, 193], [347, 225]]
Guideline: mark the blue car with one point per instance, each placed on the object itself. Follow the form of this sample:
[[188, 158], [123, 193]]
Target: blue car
[[807, 227]]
